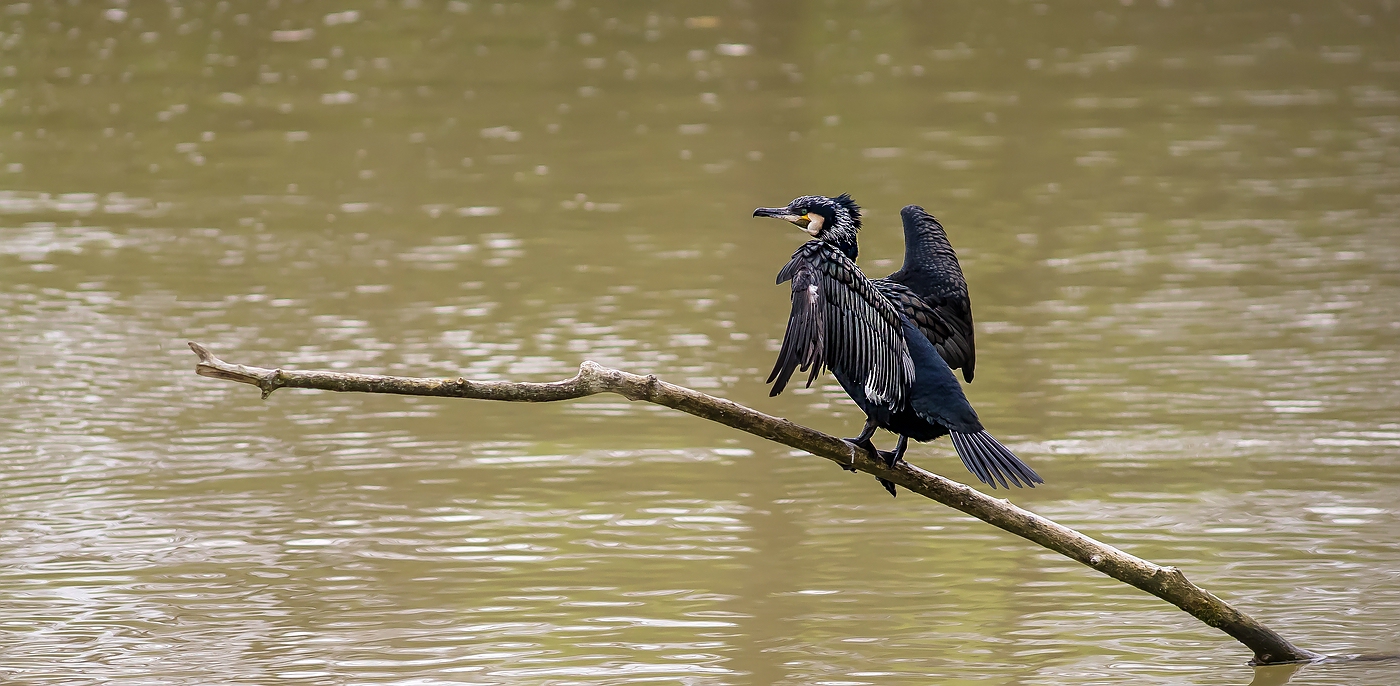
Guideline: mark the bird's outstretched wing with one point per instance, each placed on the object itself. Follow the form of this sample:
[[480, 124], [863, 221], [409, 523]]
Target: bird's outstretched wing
[[841, 321], [931, 272], [949, 333]]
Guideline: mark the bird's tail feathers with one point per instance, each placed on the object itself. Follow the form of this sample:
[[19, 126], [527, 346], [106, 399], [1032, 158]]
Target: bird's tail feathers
[[988, 459]]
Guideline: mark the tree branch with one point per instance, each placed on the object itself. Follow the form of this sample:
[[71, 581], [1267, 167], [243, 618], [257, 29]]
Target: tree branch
[[1167, 583]]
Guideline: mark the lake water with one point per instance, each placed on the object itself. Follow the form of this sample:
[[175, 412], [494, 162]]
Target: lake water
[[1180, 223]]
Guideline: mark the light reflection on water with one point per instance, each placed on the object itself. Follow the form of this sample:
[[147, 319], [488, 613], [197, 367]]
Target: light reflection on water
[[1180, 242]]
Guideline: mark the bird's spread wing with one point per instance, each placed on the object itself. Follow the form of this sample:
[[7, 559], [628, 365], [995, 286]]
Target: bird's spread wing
[[932, 272], [948, 327], [841, 321]]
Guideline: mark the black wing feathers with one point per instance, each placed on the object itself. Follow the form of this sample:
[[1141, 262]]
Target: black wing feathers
[[932, 273], [803, 341], [949, 334], [839, 320]]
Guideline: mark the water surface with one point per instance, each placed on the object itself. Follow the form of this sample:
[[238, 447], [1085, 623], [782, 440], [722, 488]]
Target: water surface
[[1179, 223]]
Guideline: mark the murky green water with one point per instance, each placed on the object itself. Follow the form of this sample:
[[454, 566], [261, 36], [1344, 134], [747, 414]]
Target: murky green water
[[1181, 224]]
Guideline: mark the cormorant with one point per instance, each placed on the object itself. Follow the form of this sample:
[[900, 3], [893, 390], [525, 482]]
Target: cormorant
[[882, 339]]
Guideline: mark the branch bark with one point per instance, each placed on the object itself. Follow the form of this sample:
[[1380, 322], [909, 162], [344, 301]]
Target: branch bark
[[1167, 583]]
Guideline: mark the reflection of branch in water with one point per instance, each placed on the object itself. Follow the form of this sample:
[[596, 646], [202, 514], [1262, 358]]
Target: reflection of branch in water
[[1167, 583], [1274, 675]]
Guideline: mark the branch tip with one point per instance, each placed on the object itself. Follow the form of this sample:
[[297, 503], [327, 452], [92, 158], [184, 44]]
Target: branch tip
[[204, 355]]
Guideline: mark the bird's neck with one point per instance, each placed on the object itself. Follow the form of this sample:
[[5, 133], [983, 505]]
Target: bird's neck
[[845, 242]]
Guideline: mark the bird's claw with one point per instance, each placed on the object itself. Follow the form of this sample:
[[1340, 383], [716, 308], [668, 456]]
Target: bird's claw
[[886, 456], [890, 458], [861, 444]]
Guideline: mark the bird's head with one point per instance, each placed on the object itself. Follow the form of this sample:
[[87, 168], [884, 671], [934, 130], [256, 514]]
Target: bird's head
[[834, 220]]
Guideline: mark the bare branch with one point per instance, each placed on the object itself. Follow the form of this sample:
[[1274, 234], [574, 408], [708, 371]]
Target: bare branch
[[1167, 583]]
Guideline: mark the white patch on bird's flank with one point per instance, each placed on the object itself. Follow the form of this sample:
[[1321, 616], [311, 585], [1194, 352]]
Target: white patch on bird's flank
[[812, 293], [874, 394]]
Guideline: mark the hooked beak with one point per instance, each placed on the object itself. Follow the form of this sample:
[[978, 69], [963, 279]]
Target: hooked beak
[[784, 214], [774, 212]]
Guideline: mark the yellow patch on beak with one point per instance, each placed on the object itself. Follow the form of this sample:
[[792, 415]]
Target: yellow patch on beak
[[803, 220]]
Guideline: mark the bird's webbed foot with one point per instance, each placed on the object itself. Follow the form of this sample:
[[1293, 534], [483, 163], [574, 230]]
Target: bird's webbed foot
[[892, 458], [862, 442], [889, 486]]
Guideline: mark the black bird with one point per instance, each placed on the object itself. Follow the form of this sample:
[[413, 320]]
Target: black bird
[[872, 335]]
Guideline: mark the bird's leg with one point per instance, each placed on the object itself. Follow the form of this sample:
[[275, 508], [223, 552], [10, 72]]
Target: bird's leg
[[896, 456], [863, 442]]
